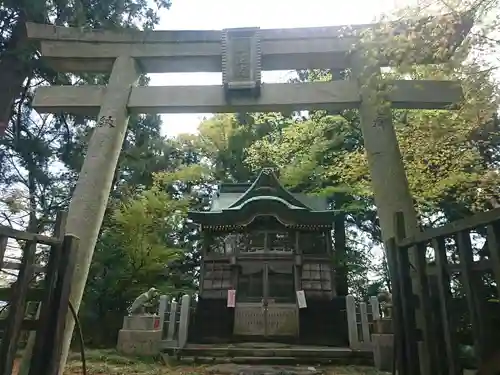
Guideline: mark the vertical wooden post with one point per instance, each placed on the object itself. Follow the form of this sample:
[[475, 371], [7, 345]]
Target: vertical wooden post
[[406, 300], [445, 297], [172, 320], [494, 249], [472, 284], [184, 320], [50, 284], [48, 342], [28, 350], [352, 324], [8, 345], [297, 274], [59, 228], [399, 325], [428, 323], [90, 197]]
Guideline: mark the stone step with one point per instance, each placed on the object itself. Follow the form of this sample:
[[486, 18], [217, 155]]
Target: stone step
[[279, 351], [269, 353], [276, 360]]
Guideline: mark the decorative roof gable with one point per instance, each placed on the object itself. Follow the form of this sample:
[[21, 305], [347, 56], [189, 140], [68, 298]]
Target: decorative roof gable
[[267, 186], [237, 205]]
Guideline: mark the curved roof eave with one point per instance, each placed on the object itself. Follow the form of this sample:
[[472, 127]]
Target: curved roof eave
[[263, 198]]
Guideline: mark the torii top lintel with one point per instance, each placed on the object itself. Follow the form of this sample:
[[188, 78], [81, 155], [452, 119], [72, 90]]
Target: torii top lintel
[[75, 50], [241, 54]]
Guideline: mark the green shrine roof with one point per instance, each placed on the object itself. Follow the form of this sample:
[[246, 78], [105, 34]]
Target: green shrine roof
[[225, 200], [239, 204]]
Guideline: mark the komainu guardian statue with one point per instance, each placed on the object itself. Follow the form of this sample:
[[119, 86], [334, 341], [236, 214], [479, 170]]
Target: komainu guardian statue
[[385, 300], [144, 301]]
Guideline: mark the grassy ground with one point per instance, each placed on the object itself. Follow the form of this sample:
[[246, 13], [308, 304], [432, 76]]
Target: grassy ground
[[111, 363]]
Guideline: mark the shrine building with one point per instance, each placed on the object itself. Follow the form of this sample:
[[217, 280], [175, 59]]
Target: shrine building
[[267, 267]]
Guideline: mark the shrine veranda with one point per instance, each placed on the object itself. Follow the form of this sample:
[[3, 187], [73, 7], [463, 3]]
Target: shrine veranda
[[271, 232]]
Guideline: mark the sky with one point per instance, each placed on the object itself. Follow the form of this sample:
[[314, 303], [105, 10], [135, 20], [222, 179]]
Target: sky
[[266, 14]]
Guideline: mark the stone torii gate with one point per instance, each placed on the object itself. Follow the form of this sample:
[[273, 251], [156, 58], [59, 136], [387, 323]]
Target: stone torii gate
[[240, 54]]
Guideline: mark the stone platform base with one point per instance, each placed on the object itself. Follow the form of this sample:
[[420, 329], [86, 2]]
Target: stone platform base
[[134, 342]]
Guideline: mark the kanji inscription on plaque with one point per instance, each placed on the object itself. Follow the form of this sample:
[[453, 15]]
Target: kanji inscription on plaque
[[241, 60]]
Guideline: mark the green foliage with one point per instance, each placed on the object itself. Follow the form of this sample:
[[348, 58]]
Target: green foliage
[[225, 138], [141, 225]]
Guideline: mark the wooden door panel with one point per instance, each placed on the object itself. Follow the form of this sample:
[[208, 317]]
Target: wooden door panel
[[277, 313], [282, 320], [249, 319]]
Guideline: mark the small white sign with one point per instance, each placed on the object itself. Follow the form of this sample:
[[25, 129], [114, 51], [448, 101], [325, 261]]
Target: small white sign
[[301, 299], [231, 298]]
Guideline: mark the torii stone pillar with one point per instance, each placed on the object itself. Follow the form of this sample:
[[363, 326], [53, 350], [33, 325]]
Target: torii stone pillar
[[90, 198], [388, 177]]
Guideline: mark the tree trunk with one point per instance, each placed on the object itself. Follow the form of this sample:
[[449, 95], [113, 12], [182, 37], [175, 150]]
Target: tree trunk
[[339, 237], [32, 227]]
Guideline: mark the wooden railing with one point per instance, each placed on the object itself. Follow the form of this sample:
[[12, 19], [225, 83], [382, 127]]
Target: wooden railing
[[442, 256], [53, 294]]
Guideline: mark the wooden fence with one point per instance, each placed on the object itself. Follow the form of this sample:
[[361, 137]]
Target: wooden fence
[[360, 320], [466, 253], [174, 320], [53, 295]]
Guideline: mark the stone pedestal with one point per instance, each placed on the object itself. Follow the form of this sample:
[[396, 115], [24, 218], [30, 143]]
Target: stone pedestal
[[141, 322], [383, 351], [140, 335], [383, 326]]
